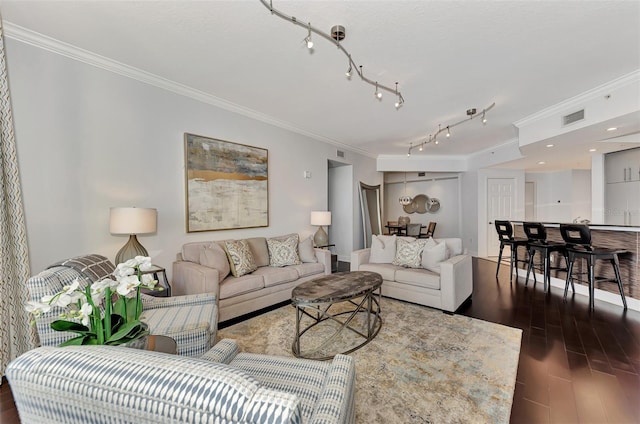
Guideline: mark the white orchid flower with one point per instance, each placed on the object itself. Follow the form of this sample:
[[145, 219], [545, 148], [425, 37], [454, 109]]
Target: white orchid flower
[[148, 281], [37, 308], [144, 263], [126, 284], [123, 270], [85, 314]]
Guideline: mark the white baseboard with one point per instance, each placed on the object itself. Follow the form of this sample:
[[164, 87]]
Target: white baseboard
[[582, 290]]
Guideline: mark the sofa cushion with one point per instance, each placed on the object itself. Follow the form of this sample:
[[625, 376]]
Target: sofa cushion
[[306, 252], [383, 249], [240, 257], [387, 271], [214, 256], [283, 252], [258, 246], [306, 269], [409, 253], [274, 276], [454, 246], [418, 277], [234, 286], [433, 254]]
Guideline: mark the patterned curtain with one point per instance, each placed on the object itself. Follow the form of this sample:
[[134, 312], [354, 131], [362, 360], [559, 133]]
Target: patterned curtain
[[16, 334]]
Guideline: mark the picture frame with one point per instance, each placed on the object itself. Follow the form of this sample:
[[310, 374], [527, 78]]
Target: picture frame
[[226, 184]]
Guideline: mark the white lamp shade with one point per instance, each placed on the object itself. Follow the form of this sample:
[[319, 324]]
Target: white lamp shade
[[133, 220], [320, 218]]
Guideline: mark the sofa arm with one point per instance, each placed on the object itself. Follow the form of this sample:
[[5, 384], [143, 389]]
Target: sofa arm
[[223, 352], [324, 257], [193, 278], [456, 281], [359, 257], [336, 402]]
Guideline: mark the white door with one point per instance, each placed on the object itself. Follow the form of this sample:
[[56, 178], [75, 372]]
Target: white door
[[501, 203]]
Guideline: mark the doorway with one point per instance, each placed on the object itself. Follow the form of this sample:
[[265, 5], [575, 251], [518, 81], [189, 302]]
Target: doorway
[[340, 196], [501, 205]]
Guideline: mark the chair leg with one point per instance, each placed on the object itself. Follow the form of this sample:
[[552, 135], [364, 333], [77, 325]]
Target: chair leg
[[570, 261], [532, 253], [514, 261], [499, 259], [592, 282], [616, 269], [546, 277]]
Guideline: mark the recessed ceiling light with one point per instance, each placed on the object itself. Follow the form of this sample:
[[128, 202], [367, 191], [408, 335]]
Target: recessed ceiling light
[[612, 128], [541, 162], [549, 145], [592, 150]]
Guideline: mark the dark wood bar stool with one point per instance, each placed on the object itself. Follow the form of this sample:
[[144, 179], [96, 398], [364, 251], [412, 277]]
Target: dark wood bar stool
[[578, 240], [505, 234], [537, 242]]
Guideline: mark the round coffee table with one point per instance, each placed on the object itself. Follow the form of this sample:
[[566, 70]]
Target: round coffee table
[[356, 294]]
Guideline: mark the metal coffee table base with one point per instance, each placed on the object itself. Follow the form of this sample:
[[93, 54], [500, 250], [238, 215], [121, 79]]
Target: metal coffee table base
[[369, 305]]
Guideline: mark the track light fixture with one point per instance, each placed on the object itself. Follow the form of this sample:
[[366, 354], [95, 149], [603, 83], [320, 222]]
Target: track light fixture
[[308, 38], [471, 113], [336, 35], [378, 94]]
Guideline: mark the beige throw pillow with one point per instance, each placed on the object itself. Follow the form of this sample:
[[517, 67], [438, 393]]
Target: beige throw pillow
[[409, 253], [283, 252], [433, 254], [240, 257], [383, 249], [215, 257], [306, 251]]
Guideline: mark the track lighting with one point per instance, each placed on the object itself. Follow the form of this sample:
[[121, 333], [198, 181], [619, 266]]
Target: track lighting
[[378, 94], [471, 113], [308, 38], [337, 34]]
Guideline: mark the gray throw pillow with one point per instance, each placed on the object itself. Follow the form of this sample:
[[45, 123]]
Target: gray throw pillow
[[306, 252], [214, 256]]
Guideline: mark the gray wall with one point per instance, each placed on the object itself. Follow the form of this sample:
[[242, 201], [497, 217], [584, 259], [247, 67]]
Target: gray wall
[[90, 139]]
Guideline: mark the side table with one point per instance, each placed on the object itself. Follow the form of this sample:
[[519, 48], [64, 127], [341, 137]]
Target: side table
[[163, 344], [159, 274], [334, 257]]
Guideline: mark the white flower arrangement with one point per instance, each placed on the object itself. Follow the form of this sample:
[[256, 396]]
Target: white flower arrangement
[[118, 323]]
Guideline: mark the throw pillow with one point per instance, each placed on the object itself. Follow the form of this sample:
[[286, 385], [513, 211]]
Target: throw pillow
[[306, 252], [258, 246], [214, 256], [240, 257], [409, 253], [383, 249], [283, 252], [433, 254]]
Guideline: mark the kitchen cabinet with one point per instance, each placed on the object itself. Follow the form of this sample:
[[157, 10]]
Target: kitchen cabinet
[[622, 203], [622, 166]]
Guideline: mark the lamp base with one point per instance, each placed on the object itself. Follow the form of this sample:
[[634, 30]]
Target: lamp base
[[130, 250], [321, 239]]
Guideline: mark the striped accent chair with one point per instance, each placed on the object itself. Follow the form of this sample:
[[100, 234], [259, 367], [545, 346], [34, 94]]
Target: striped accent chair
[[82, 384], [192, 321]]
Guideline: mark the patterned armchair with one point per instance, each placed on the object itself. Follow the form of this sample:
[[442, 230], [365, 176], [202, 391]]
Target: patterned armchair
[[192, 321], [81, 384]]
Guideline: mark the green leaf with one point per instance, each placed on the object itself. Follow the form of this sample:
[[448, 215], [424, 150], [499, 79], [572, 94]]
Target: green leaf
[[75, 327], [80, 340], [126, 332]]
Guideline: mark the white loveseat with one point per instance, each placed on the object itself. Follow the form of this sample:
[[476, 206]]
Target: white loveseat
[[203, 267], [442, 281]]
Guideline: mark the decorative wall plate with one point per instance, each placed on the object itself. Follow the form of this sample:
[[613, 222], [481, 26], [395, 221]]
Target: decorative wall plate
[[433, 205]]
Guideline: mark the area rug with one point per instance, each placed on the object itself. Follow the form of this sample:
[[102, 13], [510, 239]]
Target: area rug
[[423, 367]]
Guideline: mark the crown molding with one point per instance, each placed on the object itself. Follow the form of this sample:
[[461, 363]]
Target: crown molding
[[27, 36], [579, 100]]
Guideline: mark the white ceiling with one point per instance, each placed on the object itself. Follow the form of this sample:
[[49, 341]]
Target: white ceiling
[[447, 56]]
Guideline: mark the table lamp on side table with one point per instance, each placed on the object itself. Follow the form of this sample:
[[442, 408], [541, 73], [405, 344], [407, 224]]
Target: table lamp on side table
[[132, 221], [320, 218]]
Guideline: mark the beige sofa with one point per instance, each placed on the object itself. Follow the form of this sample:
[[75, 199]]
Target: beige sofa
[[203, 267], [445, 286]]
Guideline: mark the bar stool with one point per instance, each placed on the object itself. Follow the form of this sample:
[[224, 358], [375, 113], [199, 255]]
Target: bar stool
[[505, 234], [578, 240], [537, 242]]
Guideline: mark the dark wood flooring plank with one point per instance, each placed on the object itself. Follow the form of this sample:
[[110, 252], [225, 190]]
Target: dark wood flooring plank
[[562, 406]]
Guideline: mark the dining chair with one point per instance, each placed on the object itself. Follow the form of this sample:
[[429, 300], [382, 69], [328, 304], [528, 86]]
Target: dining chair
[[413, 230], [505, 235], [431, 228]]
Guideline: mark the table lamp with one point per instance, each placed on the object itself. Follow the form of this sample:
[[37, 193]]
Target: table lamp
[[132, 221], [321, 218]]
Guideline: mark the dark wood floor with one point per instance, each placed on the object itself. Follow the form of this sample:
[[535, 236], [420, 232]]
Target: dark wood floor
[[574, 367]]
